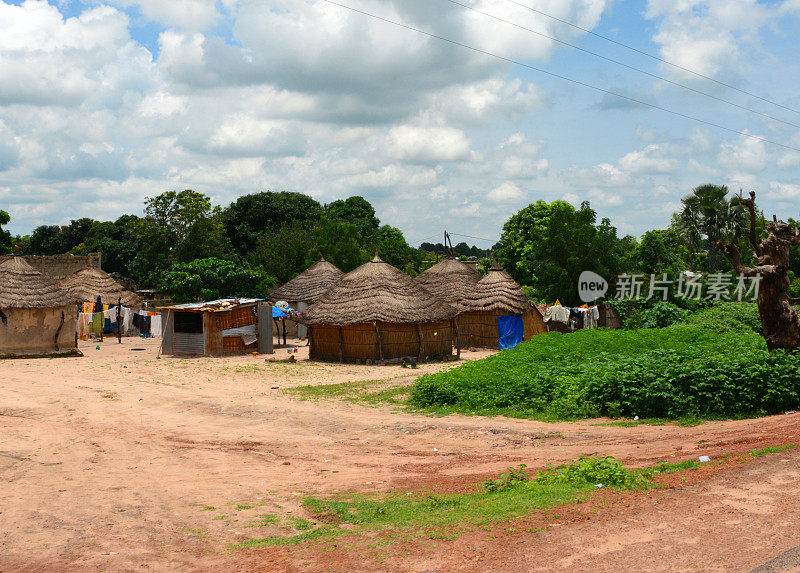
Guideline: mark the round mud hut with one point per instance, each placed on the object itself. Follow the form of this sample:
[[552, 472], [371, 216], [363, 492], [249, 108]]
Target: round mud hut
[[306, 289], [37, 317], [497, 314], [378, 313], [91, 282], [449, 280]]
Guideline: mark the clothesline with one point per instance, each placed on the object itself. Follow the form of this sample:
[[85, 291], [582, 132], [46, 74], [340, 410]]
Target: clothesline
[[146, 322], [569, 315]]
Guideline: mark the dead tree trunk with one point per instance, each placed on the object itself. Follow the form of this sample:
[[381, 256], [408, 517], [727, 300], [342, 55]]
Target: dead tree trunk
[[778, 319]]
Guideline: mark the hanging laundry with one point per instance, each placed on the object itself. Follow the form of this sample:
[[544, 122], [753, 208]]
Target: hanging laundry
[[84, 322]]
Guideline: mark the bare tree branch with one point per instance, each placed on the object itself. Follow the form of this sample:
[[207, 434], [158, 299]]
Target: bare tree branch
[[751, 208], [731, 253]]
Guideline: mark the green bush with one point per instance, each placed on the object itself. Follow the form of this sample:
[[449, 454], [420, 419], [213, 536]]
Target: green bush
[[729, 317], [717, 366], [660, 315], [592, 470]]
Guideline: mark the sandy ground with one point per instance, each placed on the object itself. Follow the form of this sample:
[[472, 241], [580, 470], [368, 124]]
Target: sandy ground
[[124, 461]]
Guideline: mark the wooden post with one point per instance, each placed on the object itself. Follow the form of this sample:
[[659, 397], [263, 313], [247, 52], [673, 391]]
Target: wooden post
[[119, 326], [341, 345], [458, 342], [380, 339], [419, 334], [283, 322]]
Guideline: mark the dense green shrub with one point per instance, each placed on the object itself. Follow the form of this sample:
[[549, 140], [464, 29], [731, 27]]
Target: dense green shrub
[[729, 317], [718, 366], [660, 315]]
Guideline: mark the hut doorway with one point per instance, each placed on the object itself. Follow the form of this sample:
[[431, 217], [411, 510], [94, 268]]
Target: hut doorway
[[189, 338]]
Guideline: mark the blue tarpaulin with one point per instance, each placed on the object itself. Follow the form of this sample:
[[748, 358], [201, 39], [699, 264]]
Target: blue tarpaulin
[[277, 313], [510, 330]]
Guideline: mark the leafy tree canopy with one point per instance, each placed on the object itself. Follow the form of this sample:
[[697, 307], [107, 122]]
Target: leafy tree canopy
[[247, 218], [548, 245], [6, 241], [661, 251], [707, 215], [207, 279], [356, 211]]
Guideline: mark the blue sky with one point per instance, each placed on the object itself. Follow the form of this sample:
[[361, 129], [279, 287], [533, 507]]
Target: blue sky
[[105, 102]]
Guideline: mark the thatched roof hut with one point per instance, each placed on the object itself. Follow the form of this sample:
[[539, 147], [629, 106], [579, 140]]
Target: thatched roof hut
[[497, 291], [495, 297], [449, 280], [303, 290], [376, 312], [22, 286], [91, 282], [37, 317], [310, 285]]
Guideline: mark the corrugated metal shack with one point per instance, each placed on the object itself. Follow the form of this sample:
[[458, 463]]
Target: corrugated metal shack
[[217, 328]]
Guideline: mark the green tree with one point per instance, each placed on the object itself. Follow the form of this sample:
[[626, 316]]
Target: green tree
[[547, 245], [118, 242], [192, 223], [706, 217], [392, 246], [45, 240], [208, 279], [286, 252], [339, 243], [6, 241], [250, 216], [356, 211], [661, 251]]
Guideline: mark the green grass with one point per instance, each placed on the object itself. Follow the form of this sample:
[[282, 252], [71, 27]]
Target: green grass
[[771, 450], [686, 372], [511, 495], [370, 392]]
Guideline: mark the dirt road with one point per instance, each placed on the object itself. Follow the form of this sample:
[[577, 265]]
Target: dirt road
[[123, 461]]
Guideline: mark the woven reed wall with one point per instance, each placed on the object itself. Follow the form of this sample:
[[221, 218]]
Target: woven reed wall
[[360, 341], [479, 329], [533, 324]]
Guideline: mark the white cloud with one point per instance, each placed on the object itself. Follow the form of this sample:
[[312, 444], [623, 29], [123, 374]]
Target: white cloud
[[506, 192], [783, 191], [187, 14], [706, 35], [748, 155], [652, 159], [428, 144]]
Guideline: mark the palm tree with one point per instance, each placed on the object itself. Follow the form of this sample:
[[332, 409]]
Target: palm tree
[[708, 216]]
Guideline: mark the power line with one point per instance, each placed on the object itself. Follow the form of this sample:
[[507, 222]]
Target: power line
[[657, 58], [477, 238], [565, 78], [426, 238], [623, 64]]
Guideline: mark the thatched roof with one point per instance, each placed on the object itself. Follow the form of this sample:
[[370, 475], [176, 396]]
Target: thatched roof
[[22, 286], [91, 282], [310, 285], [449, 280], [377, 291], [497, 291]]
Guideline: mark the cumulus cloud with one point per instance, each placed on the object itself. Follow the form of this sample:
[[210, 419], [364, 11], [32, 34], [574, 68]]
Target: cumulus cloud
[[428, 144], [187, 14], [651, 159], [748, 155], [506, 192], [706, 35], [783, 191]]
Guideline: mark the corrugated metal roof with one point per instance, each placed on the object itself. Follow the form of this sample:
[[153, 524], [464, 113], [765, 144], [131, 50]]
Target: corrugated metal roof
[[213, 305]]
